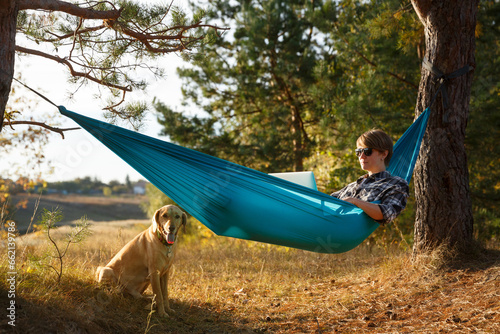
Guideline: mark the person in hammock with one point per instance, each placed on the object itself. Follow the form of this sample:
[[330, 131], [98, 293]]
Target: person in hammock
[[374, 151]]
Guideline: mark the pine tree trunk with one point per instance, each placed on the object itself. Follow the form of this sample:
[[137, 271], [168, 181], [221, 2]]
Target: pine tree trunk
[[8, 20], [444, 212], [298, 141]]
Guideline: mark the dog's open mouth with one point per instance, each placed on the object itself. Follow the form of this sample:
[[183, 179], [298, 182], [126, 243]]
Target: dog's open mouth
[[170, 238]]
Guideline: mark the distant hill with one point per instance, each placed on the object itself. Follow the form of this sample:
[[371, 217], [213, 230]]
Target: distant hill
[[95, 208]]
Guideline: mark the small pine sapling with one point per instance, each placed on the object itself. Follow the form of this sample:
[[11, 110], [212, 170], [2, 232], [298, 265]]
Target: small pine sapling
[[78, 233]]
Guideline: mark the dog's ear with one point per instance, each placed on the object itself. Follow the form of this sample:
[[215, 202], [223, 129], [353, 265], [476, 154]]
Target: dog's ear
[[184, 221], [156, 216]]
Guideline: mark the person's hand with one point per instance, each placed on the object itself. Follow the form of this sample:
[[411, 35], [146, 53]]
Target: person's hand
[[351, 200], [371, 209]]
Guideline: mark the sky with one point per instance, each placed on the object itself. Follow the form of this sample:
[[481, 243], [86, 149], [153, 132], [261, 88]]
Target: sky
[[79, 154]]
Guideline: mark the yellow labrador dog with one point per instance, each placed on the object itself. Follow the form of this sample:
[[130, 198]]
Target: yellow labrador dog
[[147, 258]]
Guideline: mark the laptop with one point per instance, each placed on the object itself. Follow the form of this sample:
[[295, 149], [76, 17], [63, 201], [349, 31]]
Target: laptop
[[303, 178]]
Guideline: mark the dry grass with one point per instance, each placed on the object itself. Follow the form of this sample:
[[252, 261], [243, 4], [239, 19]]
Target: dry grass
[[222, 285]]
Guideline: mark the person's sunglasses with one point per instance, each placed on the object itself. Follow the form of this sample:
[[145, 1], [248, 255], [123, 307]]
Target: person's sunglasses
[[367, 151]]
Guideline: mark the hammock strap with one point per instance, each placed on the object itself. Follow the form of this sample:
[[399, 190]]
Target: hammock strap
[[442, 79], [37, 93]]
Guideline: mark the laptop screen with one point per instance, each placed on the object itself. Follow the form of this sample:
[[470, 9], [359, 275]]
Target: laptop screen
[[303, 178]]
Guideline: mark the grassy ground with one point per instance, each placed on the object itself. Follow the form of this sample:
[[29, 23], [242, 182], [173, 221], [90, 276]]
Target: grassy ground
[[222, 285]]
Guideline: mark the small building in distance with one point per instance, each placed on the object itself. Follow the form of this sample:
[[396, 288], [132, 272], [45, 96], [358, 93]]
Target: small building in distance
[[140, 187]]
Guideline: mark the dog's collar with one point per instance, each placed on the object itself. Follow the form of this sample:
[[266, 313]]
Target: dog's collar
[[161, 238], [163, 241]]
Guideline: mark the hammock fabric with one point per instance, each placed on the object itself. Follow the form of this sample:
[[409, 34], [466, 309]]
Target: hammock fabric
[[236, 201]]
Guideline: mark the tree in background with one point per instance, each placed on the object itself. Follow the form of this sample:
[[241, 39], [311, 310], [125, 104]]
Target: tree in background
[[376, 46], [299, 77], [483, 127], [102, 42], [256, 86], [157, 199]]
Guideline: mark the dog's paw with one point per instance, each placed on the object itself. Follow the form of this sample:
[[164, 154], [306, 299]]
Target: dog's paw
[[163, 314]]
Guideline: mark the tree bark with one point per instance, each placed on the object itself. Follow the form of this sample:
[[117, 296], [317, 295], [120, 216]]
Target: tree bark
[[444, 212], [298, 140], [8, 21]]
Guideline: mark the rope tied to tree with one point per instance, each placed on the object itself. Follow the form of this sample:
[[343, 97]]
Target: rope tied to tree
[[443, 79], [51, 128], [37, 93]]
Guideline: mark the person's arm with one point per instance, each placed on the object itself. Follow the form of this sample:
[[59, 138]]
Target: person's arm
[[371, 209]]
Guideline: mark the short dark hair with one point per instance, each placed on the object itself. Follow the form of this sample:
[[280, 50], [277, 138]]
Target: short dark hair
[[378, 140]]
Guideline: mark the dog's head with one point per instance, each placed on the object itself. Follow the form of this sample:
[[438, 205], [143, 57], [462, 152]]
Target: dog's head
[[169, 219]]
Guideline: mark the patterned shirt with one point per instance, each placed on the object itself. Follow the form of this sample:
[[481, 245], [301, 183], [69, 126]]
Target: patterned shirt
[[391, 192]]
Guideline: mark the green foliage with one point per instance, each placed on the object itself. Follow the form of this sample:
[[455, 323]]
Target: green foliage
[[84, 185], [483, 129], [47, 223], [49, 219], [348, 171], [91, 186], [254, 86], [106, 191], [379, 84], [297, 61], [486, 225], [6, 208], [156, 200]]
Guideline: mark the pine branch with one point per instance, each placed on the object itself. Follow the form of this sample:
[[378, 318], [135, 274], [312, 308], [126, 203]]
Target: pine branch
[[371, 63], [147, 38], [69, 8], [43, 125], [74, 73]]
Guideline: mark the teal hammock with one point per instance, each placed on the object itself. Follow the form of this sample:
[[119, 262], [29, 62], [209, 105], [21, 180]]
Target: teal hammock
[[236, 201]]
